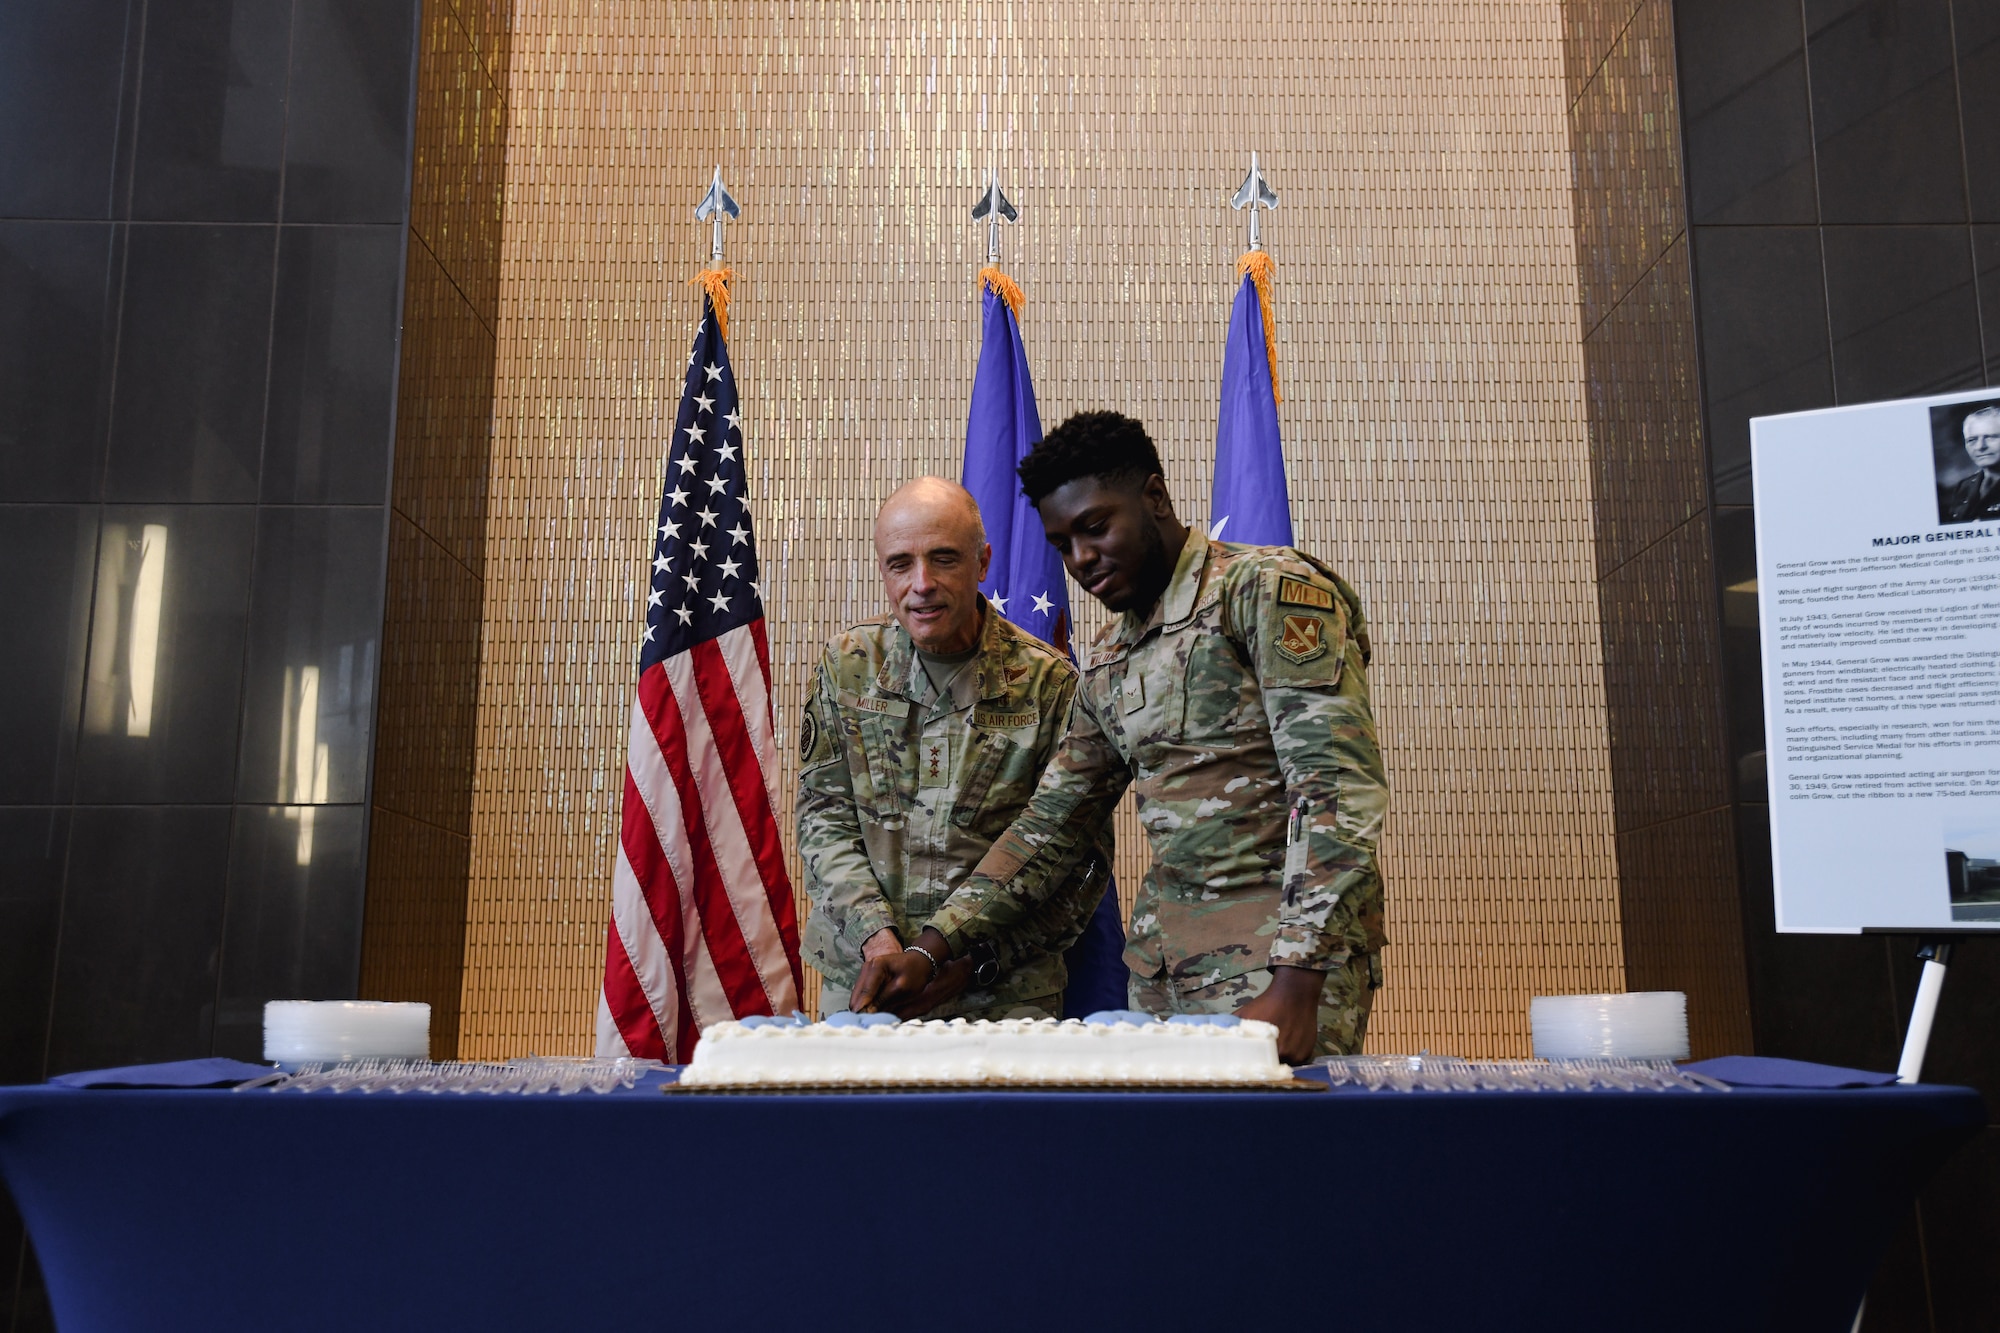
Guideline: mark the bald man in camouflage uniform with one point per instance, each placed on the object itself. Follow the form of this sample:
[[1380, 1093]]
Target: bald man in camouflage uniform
[[1232, 692], [917, 751]]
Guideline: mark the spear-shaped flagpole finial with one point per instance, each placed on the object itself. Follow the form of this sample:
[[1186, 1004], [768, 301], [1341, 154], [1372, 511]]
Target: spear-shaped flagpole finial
[[1254, 193], [717, 204], [993, 206]]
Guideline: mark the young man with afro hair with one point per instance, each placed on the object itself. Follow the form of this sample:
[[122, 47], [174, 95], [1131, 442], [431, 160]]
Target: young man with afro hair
[[1232, 691]]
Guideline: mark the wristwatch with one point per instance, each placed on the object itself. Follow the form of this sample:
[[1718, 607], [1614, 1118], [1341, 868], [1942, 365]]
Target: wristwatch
[[985, 960]]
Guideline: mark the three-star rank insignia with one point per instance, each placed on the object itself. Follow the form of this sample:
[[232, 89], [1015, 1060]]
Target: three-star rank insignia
[[1303, 639], [934, 761]]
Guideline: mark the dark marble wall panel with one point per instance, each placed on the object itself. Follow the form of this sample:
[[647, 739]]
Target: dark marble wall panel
[[1885, 113], [211, 116], [347, 142], [1986, 263], [1748, 114], [308, 723], [56, 322], [1976, 34], [163, 677], [50, 553], [62, 86], [1761, 297], [292, 917], [141, 935], [1902, 311], [330, 422], [194, 344], [34, 851]]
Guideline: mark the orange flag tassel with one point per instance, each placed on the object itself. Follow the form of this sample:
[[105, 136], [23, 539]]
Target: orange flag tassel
[[715, 281], [1257, 265], [1007, 289]]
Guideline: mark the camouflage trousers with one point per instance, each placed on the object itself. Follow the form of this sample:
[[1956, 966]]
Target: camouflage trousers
[[1343, 1003], [833, 999]]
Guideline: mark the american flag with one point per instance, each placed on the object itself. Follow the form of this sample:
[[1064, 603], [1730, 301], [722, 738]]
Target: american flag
[[702, 925]]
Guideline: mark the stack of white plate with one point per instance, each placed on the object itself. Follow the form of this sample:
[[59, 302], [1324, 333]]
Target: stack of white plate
[[296, 1031], [1649, 1025]]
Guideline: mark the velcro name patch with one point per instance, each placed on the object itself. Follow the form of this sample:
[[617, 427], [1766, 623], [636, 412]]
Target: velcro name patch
[[1297, 592], [862, 703]]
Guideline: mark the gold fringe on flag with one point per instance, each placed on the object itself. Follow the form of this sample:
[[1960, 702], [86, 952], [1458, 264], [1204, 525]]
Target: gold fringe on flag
[[1003, 287], [1258, 266], [715, 281]]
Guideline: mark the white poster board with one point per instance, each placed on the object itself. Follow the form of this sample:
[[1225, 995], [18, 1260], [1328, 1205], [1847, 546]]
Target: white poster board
[[1878, 581]]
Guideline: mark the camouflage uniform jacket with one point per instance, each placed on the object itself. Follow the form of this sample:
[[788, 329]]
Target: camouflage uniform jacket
[[901, 792], [1240, 698]]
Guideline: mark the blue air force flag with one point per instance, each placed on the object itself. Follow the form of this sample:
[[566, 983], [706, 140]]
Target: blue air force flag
[[1249, 502], [1025, 584]]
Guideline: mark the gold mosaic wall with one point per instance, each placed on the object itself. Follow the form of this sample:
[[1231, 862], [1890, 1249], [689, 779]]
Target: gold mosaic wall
[[420, 816], [1683, 924], [1426, 307]]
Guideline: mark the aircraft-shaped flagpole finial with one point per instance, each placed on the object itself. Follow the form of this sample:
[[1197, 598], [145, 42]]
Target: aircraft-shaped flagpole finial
[[718, 204], [994, 206], [1254, 193]]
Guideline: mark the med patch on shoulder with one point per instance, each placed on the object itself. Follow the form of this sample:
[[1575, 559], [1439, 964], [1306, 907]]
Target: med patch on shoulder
[[1297, 592]]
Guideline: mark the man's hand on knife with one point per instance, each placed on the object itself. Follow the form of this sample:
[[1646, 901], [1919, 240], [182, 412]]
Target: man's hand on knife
[[895, 983]]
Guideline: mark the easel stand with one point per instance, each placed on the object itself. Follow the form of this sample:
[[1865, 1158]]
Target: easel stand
[[1937, 956]]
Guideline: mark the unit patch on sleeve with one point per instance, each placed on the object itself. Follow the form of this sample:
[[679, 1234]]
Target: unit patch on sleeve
[[1304, 637], [1297, 592]]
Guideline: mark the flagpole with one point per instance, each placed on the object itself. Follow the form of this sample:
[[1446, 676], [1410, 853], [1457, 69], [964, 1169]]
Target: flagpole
[[1255, 193], [716, 207], [995, 207], [718, 204]]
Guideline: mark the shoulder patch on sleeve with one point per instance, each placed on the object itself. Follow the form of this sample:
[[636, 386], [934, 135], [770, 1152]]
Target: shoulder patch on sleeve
[[1297, 592], [816, 743], [1301, 637]]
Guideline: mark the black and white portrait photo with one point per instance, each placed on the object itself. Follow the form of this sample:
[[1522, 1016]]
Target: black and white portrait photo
[[1965, 446]]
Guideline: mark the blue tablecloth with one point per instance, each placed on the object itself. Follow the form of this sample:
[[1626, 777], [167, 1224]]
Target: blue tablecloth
[[1762, 1210]]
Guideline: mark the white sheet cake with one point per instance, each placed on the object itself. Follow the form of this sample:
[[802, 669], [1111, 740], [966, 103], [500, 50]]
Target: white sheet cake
[[1107, 1049]]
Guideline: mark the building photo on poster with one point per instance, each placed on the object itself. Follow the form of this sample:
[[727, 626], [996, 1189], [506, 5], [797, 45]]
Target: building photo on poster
[[1878, 573]]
